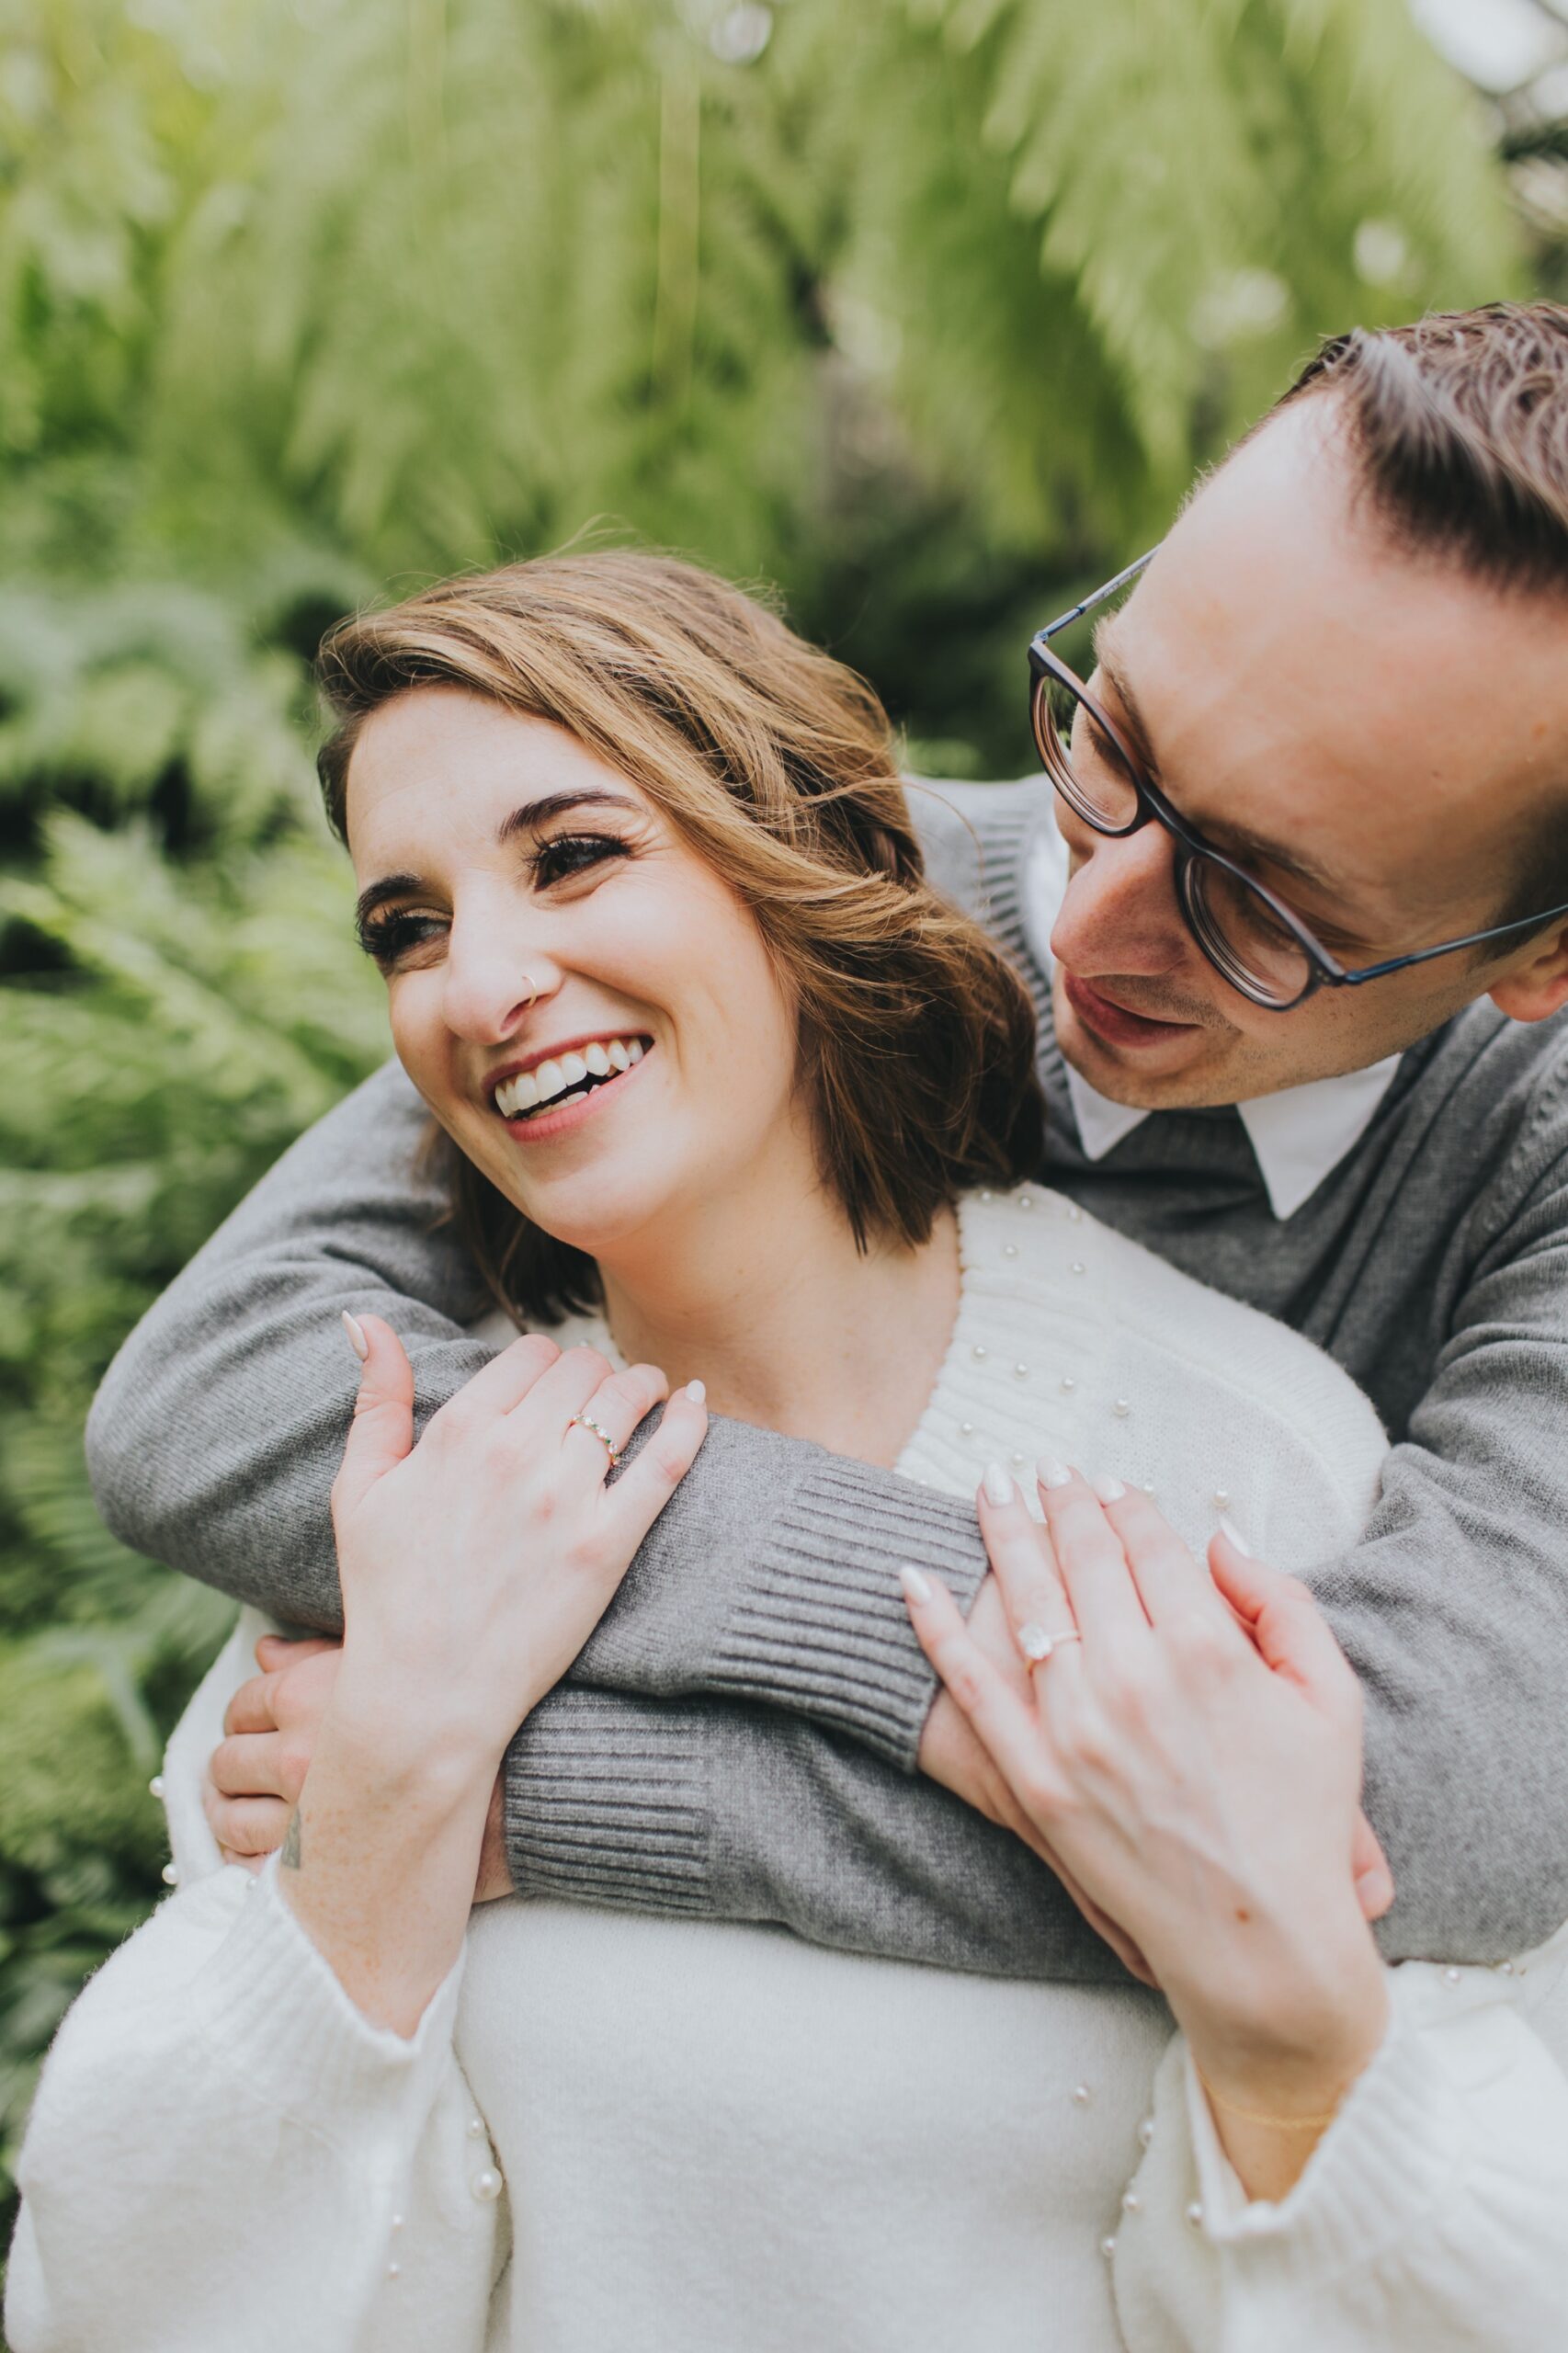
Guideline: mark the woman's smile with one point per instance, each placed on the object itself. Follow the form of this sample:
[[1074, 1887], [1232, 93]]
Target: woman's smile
[[552, 1091]]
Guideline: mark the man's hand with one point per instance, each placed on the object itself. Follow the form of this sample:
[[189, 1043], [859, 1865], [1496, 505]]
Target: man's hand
[[257, 1771]]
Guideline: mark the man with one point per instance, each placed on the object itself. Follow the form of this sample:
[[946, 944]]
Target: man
[[1298, 925]]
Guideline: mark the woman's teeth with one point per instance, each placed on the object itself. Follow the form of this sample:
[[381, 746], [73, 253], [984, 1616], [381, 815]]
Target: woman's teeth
[[563, 1080]]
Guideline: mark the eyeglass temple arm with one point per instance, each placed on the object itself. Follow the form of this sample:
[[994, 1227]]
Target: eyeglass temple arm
[[1065, 621], [1470, 939]]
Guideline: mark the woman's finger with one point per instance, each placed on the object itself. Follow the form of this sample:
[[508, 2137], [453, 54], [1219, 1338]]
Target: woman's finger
[[1019, 1552], [1291, 1635], [1007, 1727], [381, 1432], [564, 1388], [650, 1478], [1107, 1606], [506, 1381], [1170, 1583], [618, 1406]]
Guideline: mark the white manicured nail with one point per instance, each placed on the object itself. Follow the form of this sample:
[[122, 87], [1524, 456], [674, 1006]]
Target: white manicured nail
[[1110, 1491], [1234, 1539], [999, 1488], [1053, 1474], [918, 1587], [698, 1392], [357, 1340]]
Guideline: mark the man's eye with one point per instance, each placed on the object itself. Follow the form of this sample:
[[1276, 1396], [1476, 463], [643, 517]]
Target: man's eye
[[389, 938], [572, 854]]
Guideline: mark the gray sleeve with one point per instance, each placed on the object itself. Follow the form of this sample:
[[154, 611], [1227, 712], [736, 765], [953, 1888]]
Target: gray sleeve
[[1453, 1610], [711, 1811], [214, 1439]]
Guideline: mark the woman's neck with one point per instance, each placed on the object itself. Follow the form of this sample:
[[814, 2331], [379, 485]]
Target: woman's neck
[[763, 1295]]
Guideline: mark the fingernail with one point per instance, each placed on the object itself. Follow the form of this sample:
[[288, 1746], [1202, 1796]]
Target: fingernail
[[1234, 1538], [1053, 1474], [698, 1392], [999, 1488], [357, 1340], [1110, 1491], [918, 1586]]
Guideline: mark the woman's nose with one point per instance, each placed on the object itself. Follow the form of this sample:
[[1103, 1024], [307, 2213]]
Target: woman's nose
[[1120, 912], [491, 980]]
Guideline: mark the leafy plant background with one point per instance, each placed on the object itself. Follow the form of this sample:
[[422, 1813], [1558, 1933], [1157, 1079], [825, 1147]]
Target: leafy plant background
[[924, 309]]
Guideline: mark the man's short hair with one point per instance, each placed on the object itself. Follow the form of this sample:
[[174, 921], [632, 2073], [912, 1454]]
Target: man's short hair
[[1458, 429], [1459, 425]]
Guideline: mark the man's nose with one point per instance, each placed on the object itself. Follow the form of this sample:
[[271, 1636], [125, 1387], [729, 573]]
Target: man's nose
[[1119, 913], [492, 974]]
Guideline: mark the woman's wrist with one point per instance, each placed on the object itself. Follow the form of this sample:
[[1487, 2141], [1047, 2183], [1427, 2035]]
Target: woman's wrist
[[414, 1728], [1296, 2034]]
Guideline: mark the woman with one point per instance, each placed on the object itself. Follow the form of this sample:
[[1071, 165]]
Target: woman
[[733, 1095]]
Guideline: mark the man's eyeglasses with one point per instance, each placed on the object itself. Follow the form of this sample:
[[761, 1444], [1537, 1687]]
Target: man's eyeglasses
[[1252, 939]]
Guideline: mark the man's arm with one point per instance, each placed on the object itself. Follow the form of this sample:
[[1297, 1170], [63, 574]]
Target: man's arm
[[707, 1810], [1453, 1609]]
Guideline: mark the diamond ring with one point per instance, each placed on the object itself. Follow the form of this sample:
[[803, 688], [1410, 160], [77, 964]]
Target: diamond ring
[[587, 1422], [1037, 1644]]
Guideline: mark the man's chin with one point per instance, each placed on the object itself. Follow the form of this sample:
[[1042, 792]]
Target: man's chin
[[1149, 1075]]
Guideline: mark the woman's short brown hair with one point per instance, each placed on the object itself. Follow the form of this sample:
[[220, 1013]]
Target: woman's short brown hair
[[776, 765]]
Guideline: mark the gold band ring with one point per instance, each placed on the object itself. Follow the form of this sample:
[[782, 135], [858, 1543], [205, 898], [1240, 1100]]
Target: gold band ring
[[1037, 1645], [587, 1422]]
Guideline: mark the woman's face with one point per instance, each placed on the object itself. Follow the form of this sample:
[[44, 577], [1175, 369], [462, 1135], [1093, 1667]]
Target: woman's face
[[588, 1009]]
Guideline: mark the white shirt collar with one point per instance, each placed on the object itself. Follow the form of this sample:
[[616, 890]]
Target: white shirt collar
[[1297, 1135]]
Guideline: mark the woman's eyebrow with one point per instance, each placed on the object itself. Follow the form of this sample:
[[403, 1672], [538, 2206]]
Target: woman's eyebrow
[[525, 819], [390, 886], [533, 814]]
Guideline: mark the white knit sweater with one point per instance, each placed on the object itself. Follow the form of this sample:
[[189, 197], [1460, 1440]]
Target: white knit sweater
[[722, 2139]]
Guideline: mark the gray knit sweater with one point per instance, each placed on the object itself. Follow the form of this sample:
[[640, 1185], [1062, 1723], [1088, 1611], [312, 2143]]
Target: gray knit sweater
[[739, 1736]]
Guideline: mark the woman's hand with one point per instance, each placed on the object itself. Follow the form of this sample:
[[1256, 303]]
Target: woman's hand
[[473, 1566], [1191, 1750]]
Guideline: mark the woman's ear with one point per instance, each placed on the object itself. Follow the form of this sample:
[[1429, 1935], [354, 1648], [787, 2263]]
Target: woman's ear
[[1538, 988]]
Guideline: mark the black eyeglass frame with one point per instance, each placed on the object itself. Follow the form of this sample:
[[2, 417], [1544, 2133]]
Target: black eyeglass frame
[[1323, 970]]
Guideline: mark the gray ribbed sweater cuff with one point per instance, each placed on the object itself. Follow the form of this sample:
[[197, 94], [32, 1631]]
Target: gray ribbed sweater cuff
[[605, 1800], [817, 1622], [773, 1580]]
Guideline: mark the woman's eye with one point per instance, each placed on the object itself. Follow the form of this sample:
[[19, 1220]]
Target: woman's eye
[[572, 854], [389, 938]]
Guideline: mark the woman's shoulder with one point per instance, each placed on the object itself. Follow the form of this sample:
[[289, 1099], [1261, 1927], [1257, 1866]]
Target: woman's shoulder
[[1199, 1373]]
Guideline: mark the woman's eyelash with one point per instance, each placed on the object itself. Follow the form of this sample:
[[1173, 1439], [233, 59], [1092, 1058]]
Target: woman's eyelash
[[571, 854], [387, 938]]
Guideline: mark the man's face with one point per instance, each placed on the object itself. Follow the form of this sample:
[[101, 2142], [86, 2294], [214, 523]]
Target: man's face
[[1374, 735]]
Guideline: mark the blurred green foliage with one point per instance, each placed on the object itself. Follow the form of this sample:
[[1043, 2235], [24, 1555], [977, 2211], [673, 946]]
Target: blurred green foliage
[[925, 309]]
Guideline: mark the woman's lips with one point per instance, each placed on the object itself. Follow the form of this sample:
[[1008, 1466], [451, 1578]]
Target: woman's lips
[[544, 1126], [1113, 1024]]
